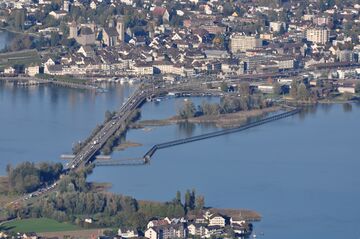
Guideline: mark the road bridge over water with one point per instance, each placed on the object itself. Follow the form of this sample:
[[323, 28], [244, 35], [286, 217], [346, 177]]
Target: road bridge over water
[[94, 144]]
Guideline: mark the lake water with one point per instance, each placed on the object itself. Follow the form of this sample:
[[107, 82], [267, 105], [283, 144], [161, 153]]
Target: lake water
[[41, 123], [300, 173]]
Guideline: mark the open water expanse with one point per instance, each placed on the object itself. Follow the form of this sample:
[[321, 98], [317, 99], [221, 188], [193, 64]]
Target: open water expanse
[[300, 173]]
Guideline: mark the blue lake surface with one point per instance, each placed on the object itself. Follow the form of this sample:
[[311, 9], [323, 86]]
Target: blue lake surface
[[300, 173], [41, 123]]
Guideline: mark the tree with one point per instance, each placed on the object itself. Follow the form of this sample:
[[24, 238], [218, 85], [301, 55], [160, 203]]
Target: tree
[[21, 42], [357, 87], [108, 115], [188, 110], [187, 200], [178, 197], [224, 86], [209, 109], [228, 9], [294, 89], [218, 40], [200, 202], [303, 93], [277, 88], [244, 89], [192, 199], [8, 169], [54, 39]]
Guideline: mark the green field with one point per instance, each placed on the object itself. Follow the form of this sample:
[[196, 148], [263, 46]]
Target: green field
[[38, 225], [26, 57]]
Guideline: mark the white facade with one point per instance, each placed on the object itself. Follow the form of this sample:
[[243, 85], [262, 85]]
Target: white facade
[[32, 70], [128, 234], [318, 35], [343, 90], [197, 230], [9, 71], [217, 221], [151, 234], [241, 43], [276, 26]]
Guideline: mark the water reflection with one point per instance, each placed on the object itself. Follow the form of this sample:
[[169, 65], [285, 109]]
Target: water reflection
[[186, 129], [307, 110], [347, 107], [326, 107]]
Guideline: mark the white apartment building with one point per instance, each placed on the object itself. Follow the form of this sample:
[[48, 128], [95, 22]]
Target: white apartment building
[[318, 35], [241, 43]]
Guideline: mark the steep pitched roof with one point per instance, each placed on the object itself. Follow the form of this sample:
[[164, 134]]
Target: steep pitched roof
[[159, 11], [111, 31]]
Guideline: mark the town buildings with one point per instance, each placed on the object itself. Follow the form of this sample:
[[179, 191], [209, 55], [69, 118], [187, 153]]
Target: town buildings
[[205, 225], [194, 38]]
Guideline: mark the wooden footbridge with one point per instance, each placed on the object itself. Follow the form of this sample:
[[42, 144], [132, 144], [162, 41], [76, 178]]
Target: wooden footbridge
[[147, 156]]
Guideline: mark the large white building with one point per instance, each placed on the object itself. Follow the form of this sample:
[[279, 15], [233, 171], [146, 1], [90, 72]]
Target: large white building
[[318, 35], [241, 43], [217, 220]]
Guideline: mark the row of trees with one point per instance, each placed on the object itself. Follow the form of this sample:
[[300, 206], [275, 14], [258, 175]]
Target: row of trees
[[299, 91], [27, 177], [226, 105], [120, 135]]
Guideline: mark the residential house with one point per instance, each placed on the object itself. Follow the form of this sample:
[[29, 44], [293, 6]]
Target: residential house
[[32, 70], [58, 14], [9, 71], [143, 68], [213, 231], [196, 229], [347, 89], [29, 235], [157, 223], [161, 13], [170, 231], [128, 233], [217, 220], [152, 233], [86, 51]]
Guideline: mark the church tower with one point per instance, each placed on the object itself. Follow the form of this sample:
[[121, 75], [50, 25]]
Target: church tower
[[120, 28], [73, 31]]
